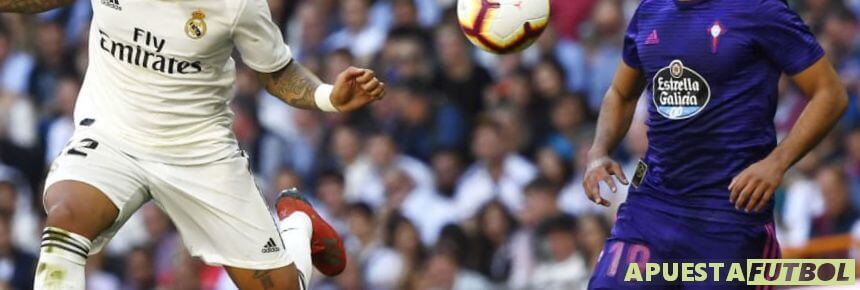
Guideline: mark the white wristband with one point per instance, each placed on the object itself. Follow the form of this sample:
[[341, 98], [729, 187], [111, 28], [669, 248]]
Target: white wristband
[[322, 97]]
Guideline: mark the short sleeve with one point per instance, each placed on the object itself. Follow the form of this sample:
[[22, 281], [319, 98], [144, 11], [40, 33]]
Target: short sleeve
[[785, 39], [259, 40], [631, 53]]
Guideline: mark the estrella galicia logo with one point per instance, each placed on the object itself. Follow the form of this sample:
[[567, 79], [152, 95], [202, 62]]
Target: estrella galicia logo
[[679, 92]]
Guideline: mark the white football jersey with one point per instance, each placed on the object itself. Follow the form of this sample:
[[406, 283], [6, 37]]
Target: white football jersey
[[160, 75]]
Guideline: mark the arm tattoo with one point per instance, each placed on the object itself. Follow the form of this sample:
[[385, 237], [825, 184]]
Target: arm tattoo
[[293, 84], [31, 6], [265, 278]]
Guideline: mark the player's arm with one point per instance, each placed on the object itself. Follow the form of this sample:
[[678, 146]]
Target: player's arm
[[616, 114], [32, 6], [297, 86], [754, 187]]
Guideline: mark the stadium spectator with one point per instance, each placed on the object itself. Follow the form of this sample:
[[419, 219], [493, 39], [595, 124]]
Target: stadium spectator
[[852, 164], [563, 267], [424, 207], [15, 65], [362, 39], [380, 264], [498, 172], [492, 255], [164, 242], [60, 129], [444, 272], [839, 215], [307, 30], [402, 236], [97, 275], [139, 270], [18, 266], [460, 79], [17, 119], [541, 203], [383, 154], [803, 201], [333, 205], [593, 230], [604, 49], [15, 204], [447, 168], [567, 117]]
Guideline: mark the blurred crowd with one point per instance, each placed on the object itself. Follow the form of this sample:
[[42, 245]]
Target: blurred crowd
[[466, 176]]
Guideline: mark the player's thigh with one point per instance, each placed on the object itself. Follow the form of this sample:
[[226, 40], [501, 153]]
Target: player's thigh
[[728, 244], [283, 278], [637, 239], [613, 269], [91, 189], [220, 213]]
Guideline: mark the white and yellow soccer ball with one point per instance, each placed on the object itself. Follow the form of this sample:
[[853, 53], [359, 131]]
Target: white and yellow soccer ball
[[503, 26]]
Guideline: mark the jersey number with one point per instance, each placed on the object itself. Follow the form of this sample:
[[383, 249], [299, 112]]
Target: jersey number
[[636, 253], [82, 146]]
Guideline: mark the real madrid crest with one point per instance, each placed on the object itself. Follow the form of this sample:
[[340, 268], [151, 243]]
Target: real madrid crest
[[195, 28]]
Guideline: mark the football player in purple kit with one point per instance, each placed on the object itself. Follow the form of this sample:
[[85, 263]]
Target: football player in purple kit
[[703, 191]]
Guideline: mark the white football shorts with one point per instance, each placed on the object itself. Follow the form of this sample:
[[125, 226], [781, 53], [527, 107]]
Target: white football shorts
[[217, 208]]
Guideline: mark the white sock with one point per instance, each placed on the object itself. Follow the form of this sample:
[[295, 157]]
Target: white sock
[[61, 260], [296, 231]]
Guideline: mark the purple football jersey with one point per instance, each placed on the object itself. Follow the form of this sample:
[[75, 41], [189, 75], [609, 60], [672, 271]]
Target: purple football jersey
[[712, 68]]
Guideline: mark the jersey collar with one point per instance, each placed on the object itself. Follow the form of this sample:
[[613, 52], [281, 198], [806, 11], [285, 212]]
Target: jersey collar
[[688, 3]]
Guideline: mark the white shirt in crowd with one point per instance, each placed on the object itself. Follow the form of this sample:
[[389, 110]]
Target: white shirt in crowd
[[364, 179], [362, 44], [803, 203], [429, 211], [477, 187], [570, 274]]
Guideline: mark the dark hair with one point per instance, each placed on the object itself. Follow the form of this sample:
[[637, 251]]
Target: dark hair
[[543, 184], [841, 14], [560, 223], [342, 52], [332, 176], [6, 220], [509, 217], [453, 240], [363, 209], [553, 63], [395, 219], [488, 122], [601, 220]]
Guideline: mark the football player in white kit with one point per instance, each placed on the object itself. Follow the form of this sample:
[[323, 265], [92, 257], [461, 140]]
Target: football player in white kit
[[152, 123]]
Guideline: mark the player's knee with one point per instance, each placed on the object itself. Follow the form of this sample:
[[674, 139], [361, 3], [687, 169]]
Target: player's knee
[[77, 219], [79, 208], [60, 214]]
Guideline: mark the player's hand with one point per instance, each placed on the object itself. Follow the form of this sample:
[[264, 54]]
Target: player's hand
[[753, 188], [602, 169], [355, 88]]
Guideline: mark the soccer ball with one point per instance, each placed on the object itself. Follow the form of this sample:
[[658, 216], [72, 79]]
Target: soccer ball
[[503, 26]]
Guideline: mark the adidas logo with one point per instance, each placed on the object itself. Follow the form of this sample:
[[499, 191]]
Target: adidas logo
[[652, 38], [112, 4], [270, 247]]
